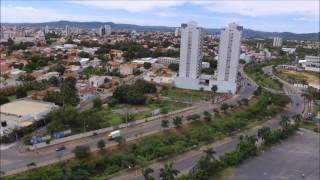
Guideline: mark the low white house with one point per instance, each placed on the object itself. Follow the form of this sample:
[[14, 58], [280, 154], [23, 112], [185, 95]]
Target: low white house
[[311, 63], [48, 75], [126, 69], [96, 81]]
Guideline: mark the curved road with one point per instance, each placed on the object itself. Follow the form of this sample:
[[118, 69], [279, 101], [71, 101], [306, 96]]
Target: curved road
[[186, 161]]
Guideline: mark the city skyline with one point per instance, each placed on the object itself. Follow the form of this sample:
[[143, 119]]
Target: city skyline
[[289, 16]]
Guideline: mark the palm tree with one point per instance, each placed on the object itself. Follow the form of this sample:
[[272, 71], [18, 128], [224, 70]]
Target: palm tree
[[147, 174], [284, 121], [168, 172], [307, 96], [214, 89], [264, 132], [164, 123], [177, 121], [297, 118], [210, 152]]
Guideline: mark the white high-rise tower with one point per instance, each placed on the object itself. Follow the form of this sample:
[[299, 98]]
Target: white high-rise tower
[[104, 30], [67, 30], [229, 54], [277, 42], [190, 50]]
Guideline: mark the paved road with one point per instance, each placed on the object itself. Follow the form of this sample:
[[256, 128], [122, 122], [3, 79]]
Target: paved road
[[186, 161], [12, 159], [294, 158]]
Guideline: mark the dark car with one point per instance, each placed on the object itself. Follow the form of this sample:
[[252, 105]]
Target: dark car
[[61, 148], [31, 164]]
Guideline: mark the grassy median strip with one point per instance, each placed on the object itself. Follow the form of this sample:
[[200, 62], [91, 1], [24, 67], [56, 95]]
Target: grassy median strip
[[163, 144]]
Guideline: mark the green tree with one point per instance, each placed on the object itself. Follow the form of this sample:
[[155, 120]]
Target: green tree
[[21, 93], [101, 144], [168, 172], [284, 122], [53, 96], [297, 118], [147, 65], [97, 103], [63, 118], [174, 67], [207, 116], [264, 133], [164, 123], [210, 153], [54, 81], [146, 173], [69, 92], [224, 107], [81, 151], [177, 121], [3, 100], [214, 88]]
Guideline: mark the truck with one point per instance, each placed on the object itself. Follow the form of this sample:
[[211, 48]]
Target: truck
[[114, 134]]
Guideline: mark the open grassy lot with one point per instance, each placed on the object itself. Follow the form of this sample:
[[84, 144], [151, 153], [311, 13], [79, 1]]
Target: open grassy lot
[[185, 94], [113, 115], [299, 77]]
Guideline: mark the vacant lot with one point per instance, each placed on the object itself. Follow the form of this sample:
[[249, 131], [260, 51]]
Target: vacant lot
[[313, 79], [113, 115], [294, 158], [185, 94]]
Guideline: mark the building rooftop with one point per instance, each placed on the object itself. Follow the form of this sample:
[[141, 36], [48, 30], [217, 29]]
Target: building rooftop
[[24, 107]]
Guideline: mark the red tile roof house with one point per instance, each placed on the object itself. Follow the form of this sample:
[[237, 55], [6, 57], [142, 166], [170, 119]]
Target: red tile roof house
[[71, 75], [87, 93]]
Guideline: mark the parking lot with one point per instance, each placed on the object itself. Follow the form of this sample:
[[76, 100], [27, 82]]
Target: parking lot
[[295, 158]]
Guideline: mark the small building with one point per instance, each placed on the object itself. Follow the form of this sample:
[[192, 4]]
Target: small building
[[48, 75], [311, 63], [22, 113], [15, 73], [71, 75], [127, 69], [97, 81], [87, 93]]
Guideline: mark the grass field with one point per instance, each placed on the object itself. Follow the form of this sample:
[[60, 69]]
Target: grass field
[[113, 115], [299, 77], [225, 174], [186, 95]]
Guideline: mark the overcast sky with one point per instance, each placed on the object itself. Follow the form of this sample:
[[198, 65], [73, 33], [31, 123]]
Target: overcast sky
[[269, 15]]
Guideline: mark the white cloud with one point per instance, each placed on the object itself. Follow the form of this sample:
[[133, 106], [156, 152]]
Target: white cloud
[[11, 13], [130, 5], [263, 8]]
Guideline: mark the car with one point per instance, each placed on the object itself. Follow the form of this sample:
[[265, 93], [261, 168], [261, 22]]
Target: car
[[31, 164], [61, 148], [94, 134]]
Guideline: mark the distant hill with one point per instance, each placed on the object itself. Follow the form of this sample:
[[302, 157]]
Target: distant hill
[[246, 33]]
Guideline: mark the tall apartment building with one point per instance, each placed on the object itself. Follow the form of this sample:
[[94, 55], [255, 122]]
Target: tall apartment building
[[176, 32], [190, 76], [104, 30], [190, 50], [277, 42], [67, 30], [229, 53]]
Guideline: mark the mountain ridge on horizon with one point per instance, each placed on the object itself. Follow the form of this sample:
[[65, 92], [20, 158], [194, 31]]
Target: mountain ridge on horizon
[[94, 24]]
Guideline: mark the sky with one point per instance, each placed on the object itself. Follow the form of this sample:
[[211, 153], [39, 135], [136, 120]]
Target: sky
[[298, 16]]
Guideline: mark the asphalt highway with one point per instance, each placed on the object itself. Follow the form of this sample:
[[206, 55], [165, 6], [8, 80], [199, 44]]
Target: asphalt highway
[[188, 160]]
